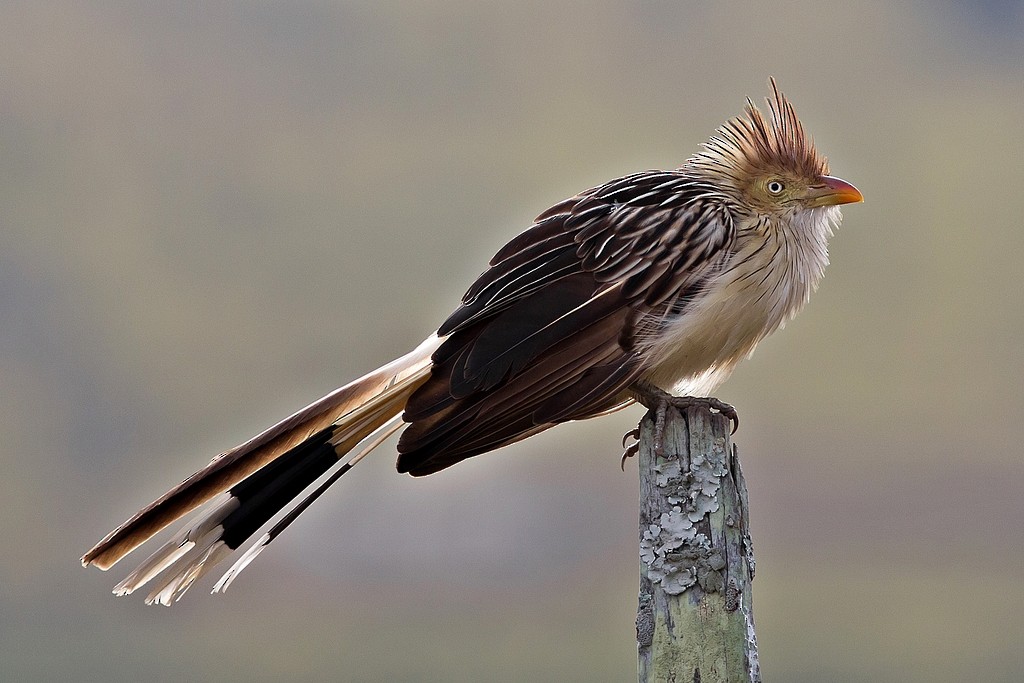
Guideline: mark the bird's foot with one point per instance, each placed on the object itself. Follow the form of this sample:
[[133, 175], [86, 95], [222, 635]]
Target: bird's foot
[[658, 401], [710, 402], [631, 449]]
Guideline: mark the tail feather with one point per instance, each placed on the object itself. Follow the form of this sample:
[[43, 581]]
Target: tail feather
[[247, 506], [181, 544], [261, 476], [382, 433]]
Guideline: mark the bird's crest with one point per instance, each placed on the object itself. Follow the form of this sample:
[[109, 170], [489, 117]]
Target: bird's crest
[[753, 143]]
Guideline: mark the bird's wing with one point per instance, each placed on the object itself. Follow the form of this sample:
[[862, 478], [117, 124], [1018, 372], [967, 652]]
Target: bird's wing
[[546, 334]]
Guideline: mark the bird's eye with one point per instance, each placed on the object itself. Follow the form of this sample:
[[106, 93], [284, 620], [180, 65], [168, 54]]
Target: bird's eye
[[775, 187]]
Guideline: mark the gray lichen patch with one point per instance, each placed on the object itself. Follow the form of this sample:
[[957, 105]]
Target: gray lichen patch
[[677, 555], [645, 621], [753, 664]]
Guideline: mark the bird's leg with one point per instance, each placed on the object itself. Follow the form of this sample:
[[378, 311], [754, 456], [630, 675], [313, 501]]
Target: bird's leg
[[632, 449], [658, 401]]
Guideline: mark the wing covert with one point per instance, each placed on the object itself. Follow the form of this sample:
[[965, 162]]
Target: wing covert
[[547, 333]]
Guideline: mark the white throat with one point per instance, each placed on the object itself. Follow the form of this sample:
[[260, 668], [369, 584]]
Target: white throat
[[767, 280]]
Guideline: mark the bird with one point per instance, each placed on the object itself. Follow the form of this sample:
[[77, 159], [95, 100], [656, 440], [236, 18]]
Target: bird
[[648, 288]]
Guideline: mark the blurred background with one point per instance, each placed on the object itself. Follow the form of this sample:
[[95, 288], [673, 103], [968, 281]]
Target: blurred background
[[214, 213]]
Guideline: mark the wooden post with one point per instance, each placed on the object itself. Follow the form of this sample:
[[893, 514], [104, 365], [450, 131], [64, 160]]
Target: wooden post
[[695, 621]]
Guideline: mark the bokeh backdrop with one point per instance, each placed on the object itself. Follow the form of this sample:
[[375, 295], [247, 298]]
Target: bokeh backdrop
[[213, 213]]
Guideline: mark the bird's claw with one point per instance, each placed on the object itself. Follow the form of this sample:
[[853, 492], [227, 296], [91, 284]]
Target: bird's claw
[[632, 449], [628, 453]]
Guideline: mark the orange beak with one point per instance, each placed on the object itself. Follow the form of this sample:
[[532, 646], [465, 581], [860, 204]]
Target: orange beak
[[834, 191]]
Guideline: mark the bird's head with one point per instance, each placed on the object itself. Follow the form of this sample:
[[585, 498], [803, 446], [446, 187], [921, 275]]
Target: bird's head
[[770, 166]]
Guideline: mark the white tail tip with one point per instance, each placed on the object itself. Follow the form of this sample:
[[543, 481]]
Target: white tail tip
[[248, 556]]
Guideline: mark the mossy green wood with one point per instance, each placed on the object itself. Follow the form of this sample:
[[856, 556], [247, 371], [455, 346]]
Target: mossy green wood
[[695, 620]]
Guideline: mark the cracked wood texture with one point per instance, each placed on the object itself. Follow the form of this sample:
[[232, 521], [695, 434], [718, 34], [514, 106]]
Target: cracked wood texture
[[695, 621]]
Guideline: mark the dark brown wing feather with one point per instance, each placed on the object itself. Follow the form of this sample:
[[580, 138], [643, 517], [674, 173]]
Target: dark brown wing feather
[[547, 334]]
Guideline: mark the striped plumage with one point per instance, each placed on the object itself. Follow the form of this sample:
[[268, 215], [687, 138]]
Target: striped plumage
[[666, 278]]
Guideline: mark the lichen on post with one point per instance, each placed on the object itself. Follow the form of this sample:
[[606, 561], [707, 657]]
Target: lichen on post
[[695, 620]]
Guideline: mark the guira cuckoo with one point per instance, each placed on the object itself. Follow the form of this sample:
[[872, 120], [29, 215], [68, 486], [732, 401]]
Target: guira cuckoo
[[656, 281]]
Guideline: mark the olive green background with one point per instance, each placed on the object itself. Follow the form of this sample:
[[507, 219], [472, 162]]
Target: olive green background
[[213, 213]]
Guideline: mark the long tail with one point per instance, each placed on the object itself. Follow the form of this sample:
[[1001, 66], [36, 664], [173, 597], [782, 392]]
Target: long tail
[[259, 478]]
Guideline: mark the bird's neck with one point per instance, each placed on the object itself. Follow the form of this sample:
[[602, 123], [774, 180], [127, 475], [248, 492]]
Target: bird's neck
[[792, 254], [774, 268]]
